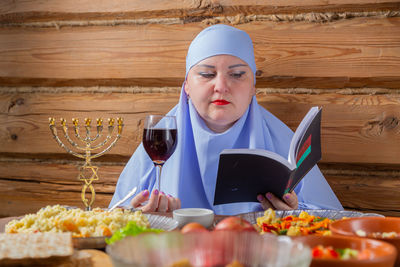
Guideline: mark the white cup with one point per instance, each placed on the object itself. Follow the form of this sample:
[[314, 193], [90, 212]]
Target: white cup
[[203, 216]]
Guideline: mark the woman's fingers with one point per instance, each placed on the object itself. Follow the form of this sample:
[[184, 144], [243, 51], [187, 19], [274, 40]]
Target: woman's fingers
[[162, 203], [178, 203], [265, 204], [173, 203], [153, 202], [277, 203], [290, 201], [140, 198], [158, 201]]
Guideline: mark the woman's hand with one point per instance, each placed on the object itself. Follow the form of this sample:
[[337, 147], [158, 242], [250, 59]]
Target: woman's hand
[[158, 201], [290, 201]]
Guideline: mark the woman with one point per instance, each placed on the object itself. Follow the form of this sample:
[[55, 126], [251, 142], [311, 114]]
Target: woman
[[218, 110]]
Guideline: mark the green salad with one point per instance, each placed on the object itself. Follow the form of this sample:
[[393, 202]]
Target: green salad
[[131, 229]]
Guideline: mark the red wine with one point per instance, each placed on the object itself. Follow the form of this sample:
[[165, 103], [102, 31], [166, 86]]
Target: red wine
[[159, 144]]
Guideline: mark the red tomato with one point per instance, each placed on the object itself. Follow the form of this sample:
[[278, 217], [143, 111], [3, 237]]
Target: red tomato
[[317, 252], [193, 227], [234, 223]]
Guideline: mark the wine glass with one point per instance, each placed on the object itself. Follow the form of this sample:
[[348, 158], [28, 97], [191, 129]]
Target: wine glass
[[159, 139]]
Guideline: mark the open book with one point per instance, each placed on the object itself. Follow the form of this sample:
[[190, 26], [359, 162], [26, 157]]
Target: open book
[[245, 173]]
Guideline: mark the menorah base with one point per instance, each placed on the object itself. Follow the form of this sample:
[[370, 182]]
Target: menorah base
[[88, 204]]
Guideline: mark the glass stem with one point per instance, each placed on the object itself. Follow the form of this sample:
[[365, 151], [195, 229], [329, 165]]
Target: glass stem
[[159, 176]]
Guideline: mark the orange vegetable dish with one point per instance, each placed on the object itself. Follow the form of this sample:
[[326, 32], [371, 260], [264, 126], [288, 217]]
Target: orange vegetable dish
[[304, 224], [321, 252]]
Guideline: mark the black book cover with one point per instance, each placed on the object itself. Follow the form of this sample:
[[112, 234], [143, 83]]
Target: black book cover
[[245, 173]]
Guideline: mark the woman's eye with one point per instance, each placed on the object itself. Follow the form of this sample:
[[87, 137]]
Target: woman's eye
[[207, 75], [237, 74]]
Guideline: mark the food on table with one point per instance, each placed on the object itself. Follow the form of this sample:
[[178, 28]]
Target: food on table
[[377, 234], [193, 227], [40, 249], [235, 263], [291, 225], [231, 223], [131, 229], [235, 224], [182, 263], [41, 245], [385, 235], [361, 233], [186, 263], [328, 252], [97, 222]]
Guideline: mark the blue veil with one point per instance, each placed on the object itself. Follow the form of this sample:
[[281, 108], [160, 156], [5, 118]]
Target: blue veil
[[190, 173]]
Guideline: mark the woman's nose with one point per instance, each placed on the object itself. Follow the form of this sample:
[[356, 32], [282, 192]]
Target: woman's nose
[[221, 84]]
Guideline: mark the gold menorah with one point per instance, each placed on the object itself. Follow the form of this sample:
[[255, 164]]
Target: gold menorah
[[90, 144]]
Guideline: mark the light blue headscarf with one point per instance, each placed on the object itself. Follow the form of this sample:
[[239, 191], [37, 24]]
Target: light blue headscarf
[[191, 171], [221, 40]]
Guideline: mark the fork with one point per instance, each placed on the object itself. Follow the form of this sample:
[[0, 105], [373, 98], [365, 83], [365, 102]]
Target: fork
[[131, 193]]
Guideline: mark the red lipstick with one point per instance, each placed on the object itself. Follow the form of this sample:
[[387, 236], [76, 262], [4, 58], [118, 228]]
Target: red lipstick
[[220, 102]]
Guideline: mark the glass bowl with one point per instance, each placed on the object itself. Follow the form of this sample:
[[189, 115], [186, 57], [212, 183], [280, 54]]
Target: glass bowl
[[208, 249]]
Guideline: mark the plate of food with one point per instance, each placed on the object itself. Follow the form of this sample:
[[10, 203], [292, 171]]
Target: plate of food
[[348, 251], [298, 222], [89, 228], [385, 229]]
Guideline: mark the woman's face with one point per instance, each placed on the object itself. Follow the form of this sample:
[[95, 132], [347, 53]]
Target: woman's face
[[221, 88]]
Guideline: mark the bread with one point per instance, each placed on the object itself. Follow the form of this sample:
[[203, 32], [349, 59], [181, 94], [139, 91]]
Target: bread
[[80, 258], [38, 248]]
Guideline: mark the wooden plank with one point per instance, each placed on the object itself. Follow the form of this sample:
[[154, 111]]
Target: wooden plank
[[381, 212], [27, 122], [363, 188], [273, 81], [376, 194], [355, 128], [26, 10], [362, 52], [62, 177], [25, 187]]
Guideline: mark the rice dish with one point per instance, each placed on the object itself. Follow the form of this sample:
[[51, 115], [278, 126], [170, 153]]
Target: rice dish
[[94, 223]]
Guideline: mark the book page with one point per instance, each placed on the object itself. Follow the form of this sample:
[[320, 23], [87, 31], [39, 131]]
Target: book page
[[299, 133], [308, 150]]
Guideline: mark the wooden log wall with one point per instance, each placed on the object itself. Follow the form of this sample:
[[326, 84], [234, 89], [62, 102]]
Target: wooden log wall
[[77, 59]]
